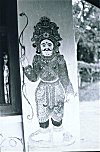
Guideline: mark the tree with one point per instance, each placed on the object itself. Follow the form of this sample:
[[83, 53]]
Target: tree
[[86, 24]]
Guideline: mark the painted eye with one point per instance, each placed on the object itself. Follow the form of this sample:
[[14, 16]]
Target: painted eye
[[49, 44], [43, 44]]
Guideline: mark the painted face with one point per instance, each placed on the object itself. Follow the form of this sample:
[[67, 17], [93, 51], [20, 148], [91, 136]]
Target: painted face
[[46, 47]]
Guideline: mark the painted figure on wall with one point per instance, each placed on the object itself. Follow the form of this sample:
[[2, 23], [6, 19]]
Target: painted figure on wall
[[50, 67], [6, 79]]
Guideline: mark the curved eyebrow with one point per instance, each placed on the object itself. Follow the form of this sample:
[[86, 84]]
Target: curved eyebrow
[[42, 43], [46, 43]]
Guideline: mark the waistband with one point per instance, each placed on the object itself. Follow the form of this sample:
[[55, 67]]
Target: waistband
[[50, 82]]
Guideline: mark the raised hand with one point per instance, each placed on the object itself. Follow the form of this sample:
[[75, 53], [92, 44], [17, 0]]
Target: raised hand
[[24, 61]]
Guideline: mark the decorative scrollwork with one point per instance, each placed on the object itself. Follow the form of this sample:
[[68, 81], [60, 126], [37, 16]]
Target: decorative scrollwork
[[11, 143]]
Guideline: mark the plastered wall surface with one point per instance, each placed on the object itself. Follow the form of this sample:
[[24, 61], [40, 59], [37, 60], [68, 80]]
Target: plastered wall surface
[[60, 12]]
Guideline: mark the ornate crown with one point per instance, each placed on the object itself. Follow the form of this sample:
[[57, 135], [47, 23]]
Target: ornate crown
[[45, 29]]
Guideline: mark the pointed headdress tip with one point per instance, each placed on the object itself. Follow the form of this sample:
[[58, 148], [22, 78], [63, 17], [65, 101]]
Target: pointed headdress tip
[[45, 29]]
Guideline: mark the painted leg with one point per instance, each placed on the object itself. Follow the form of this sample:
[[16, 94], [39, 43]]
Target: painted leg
[[60, 136], [41, 137]]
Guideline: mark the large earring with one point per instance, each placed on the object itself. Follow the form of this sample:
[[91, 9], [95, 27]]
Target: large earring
[[57, 50], [38, 50], [57, 47]]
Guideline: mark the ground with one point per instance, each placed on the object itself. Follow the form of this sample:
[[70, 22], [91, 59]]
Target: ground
[[90, 117]]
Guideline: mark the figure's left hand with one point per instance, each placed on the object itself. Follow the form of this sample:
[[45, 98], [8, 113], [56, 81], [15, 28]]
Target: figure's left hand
[[69, 97]]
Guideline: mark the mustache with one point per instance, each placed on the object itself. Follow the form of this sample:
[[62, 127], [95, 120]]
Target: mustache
[[47, 49]]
